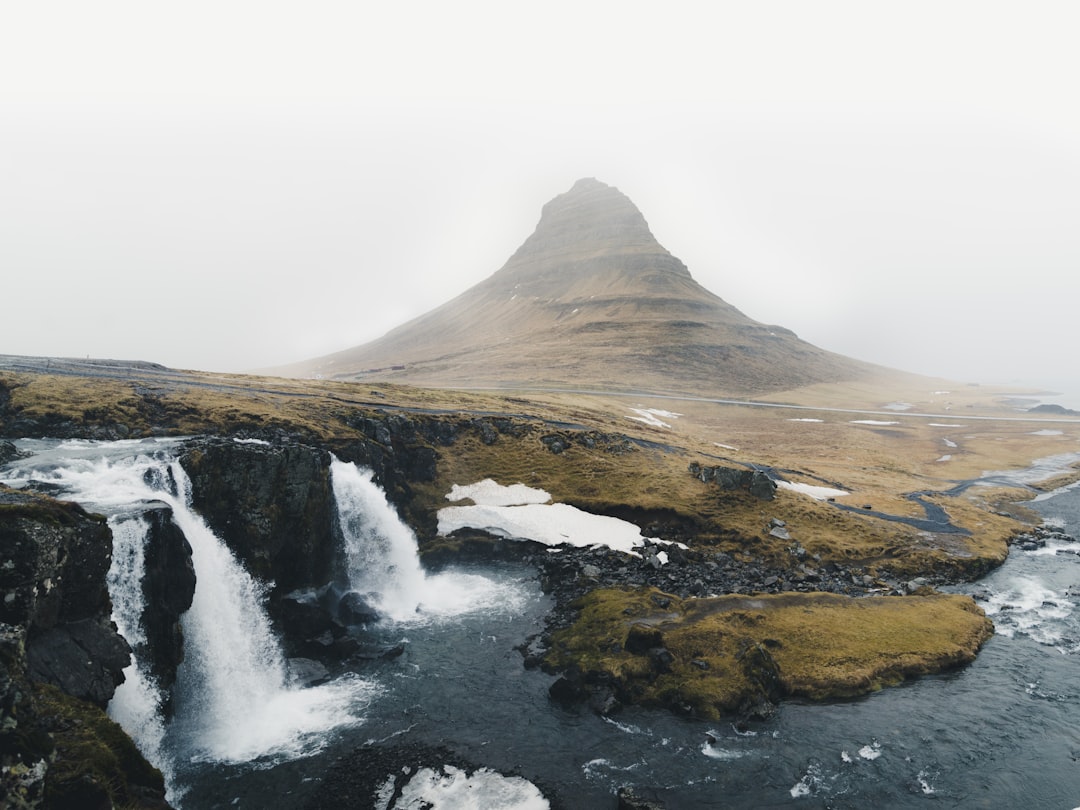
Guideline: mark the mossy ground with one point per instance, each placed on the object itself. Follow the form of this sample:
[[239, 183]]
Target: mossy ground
[[96, 764], [730, 651]]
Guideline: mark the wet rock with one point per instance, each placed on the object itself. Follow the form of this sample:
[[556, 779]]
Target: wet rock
[[272, 505], [168, 588], [630, 800], [55, 558], [306, 672], [355, 609]]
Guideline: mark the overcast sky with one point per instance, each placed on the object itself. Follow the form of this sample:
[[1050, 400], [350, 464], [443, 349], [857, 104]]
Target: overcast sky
[[232, 185]]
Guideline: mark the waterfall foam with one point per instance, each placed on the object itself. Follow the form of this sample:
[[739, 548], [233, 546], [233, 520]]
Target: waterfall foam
[[384, 566], [137, 703]]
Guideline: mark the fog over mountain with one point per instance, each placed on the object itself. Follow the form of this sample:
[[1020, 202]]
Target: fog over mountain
[[590, 299], [230, 188]]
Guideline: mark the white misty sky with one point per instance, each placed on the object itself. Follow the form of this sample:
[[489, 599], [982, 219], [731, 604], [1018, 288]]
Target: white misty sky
[[232, 185]]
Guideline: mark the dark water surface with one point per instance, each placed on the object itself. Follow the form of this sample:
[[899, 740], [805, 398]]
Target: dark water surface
[[1003, 732]]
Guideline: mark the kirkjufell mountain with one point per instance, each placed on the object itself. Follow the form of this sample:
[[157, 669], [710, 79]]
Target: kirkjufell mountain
[[590, 300]]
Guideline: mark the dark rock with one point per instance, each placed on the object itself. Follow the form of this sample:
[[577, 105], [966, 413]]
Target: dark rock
[[567, 690], [84, 658], [641, 638], [661, 659], [168, 587], [272, 505], [556, 444], [630, 800], [52, 579], [355, 609], [306, 672], [756, 482]]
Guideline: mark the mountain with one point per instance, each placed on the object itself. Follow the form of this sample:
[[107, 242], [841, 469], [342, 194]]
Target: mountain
[[590, 300]]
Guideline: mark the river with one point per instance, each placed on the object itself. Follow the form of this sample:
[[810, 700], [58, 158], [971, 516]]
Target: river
[[1002, 732]]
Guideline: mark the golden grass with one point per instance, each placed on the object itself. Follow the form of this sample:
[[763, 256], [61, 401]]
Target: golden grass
[[727, 649]]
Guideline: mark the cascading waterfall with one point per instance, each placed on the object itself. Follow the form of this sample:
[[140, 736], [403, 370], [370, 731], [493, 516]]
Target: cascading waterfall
[[384, 565], [232, 699], [136, 705]]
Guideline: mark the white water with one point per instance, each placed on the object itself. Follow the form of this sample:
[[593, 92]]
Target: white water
[[136, 705], [232, 700], [384, 566]]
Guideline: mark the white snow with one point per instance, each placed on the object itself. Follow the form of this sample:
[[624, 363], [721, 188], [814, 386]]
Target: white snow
[[950, 443], [651, 416], [1048, 432], [938, 424], [726, 446], [551, 524], [806, 419], [945, 458], [489, 493], [251, 441], [871, 422], [453, 789], [520, 512], [899, 406], [815, 492]]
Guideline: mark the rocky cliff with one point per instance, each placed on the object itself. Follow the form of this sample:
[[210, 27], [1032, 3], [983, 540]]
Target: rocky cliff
[[60, 662]]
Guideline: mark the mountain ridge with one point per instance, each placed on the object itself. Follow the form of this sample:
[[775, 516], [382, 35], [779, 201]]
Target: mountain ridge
[[590, 298]]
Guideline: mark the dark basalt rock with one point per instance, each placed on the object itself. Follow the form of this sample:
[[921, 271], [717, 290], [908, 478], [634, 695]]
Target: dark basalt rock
[[756, 482], [52, 581], [55, 629], [272, 505], [168, 586]]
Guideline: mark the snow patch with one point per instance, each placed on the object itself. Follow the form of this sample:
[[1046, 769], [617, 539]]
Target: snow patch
[[555, 524], [490, 493], [652, 416], [1048, 432], [871, 422], [806, 419], [815, 492], [452, 789]]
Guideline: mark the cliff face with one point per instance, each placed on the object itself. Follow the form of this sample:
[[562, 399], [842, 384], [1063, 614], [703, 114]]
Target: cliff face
[[60, 662], [56, 557], [272, 505], [591, 299]]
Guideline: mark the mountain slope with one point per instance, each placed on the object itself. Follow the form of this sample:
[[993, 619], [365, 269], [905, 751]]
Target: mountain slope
[[590, 300]]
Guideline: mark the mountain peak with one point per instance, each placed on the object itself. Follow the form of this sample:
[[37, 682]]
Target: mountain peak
[[587, 229], [591, 299]]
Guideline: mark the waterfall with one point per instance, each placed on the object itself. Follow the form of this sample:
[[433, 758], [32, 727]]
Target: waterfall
[[136, 705], [232, 700], [384, 565], [381, 550]]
